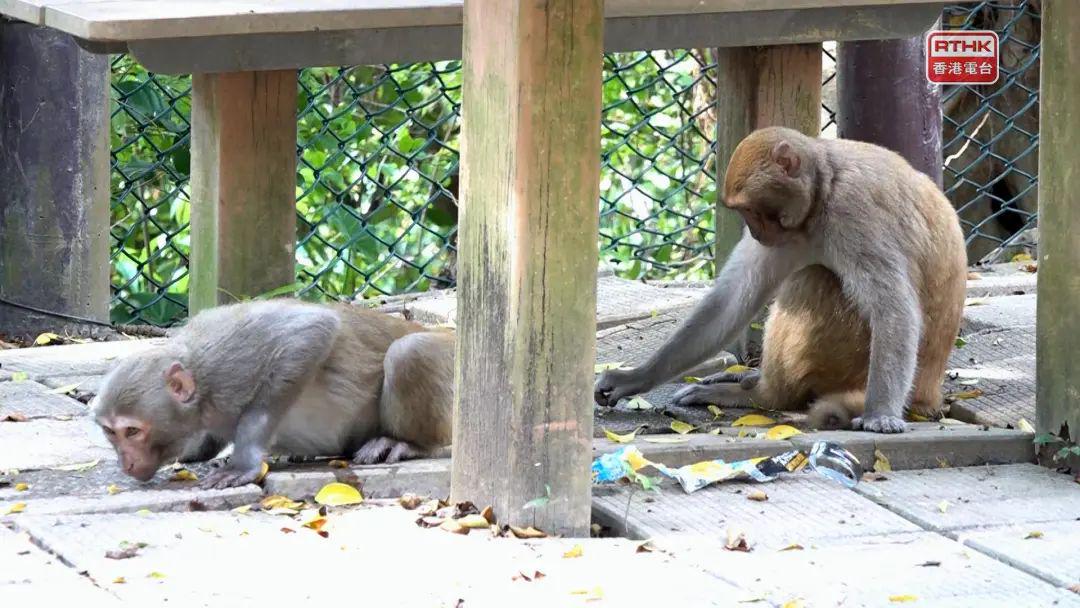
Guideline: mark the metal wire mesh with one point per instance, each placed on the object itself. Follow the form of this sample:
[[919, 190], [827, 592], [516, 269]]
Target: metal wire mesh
[[377, 170]]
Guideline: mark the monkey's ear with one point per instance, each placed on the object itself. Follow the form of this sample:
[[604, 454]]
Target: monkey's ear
[[180, 382], [788, 159]]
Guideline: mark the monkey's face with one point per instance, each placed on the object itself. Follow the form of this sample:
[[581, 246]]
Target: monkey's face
[[131, 438]]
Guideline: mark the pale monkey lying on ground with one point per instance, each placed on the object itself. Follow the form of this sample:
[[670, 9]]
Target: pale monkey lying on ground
[[866, 259]]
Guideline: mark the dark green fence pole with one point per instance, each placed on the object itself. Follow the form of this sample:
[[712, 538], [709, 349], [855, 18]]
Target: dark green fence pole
[[54, 179], [885, 99]]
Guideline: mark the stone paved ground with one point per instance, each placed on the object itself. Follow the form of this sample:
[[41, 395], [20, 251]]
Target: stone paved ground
[[939, 528]]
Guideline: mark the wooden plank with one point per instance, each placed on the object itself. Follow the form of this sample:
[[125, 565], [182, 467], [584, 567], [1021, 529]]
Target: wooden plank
[[250, 52], [157, 19], [1057, 398], [759, 87], [54, 180], [243, 185], [527, 260]]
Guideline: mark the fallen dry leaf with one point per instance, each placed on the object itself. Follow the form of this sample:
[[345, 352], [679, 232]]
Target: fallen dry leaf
[[716, 412], [63, 390], [489, 514], [529, 532], [943, 506], [625, 438], [758, 495], [453, 525], [1022, 257], [18, 507], [781, 432], [1075, 588], [753, 420], [1034, 534], [793, 547], [681, 427], [119, 580], [736, 541], [975, 302], [1025, 426], [22, 487], [337, 494], [1032, 268], [430, 507], [736, 369], [19, 376], [574, 551], [14, 417], [338, 464], [968, 394], [410, 501], [596, 593], [881, 462], [315, 523], [793, 604], [430, 521], [184, 475], [286, 530], [691, 379], [113, 489], [46, 338], [902, 598], [474, 520], [242, 509], [528, 577], [264, 470], [126, 551], [600, 368], [155, 575], [974, 276], [873, 476], [645, 547], [639, 403], [278, 501]]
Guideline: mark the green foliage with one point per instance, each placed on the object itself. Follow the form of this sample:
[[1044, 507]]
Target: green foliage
[[377, 178]]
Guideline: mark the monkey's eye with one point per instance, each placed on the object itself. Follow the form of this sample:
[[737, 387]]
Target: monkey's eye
[[108, 431], [131, 431]]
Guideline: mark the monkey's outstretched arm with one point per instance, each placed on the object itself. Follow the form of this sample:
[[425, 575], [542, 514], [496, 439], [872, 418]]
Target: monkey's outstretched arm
[[748, 280], [301, 343]]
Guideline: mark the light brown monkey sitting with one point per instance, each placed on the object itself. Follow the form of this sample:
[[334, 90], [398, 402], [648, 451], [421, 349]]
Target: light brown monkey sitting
[[286, 377], [866, 258]]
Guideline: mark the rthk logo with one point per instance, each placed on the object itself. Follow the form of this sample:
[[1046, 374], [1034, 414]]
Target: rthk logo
[[969, 57]]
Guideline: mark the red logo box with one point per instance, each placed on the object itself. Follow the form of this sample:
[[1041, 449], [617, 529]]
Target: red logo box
[[962, 57]]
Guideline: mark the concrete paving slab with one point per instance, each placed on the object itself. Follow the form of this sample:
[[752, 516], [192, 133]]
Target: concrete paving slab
[[1001, 363], [43, 443], [959, 499], [802, 508], [421, 477], [918, 569], [34, 400], [1000, 312], [1051, 557], [84, 385], [90, 359], [32, 577], [367, 551], [1002, 280]]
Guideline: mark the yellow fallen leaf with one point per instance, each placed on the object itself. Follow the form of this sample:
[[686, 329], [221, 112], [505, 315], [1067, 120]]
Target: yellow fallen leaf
[[912, 416], [793, 604], [337, 494], [639, 403], [691, 379], [143, 512], [665, 439], [714, 431], [600, 368], [1025, 426], [184, 475], [49, 337], [574, 551], [1033, 534], [736, 369], [881, 462], [113, 489], [617, 438], [793, 547], [681, 427], [339, 464], [902, 598], [155, 574], [278, 501], [474, 520], [22, 487], [1022, 257], [715, 411], [119, 580], [596, 593], [81, 467], [757, 326], [974, 301], [529, 532], [753, 420], [782, 431], [315, 523], [63, 390], [943, 506], [264, 470], [19, 376], [242, 509], [18, 507], [757, 495], [969, 394]]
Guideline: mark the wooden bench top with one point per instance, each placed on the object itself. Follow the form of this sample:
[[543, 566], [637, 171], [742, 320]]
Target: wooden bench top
[[129, 20]]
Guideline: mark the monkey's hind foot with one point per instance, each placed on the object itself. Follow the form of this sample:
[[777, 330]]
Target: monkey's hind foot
[[726, 388], [879, 424], [386, 450]]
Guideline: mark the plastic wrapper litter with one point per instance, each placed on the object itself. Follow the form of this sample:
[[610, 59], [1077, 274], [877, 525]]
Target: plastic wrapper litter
[[825, 458]]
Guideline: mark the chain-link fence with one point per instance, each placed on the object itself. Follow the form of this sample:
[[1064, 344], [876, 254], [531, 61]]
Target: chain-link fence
[[377, 178]]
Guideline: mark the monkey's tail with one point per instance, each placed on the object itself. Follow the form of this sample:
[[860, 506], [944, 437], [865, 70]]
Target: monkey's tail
[[835, 411]]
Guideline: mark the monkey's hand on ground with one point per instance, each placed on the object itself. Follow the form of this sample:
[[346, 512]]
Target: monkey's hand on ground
[[231, 476], [747, 379], [880, 423], [614, 384]]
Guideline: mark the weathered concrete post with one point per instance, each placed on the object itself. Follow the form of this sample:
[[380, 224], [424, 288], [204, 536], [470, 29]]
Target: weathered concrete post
[[1057, 396], [885, 99], [527, 266], [54, 179]]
